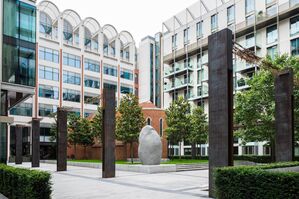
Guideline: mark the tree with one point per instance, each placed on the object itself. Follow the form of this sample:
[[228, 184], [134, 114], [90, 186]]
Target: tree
[[129, 121], [86, 136], [178, 121], [255, 108], [199, 129], [97, 123], [74, 130]]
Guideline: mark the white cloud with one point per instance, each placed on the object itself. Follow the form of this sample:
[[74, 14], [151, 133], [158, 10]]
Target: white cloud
[[140, 17]]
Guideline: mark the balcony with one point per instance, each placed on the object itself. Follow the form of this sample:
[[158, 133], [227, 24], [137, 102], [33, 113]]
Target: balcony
[[178, 84], [244, 67], [202, 92], [178, 69]]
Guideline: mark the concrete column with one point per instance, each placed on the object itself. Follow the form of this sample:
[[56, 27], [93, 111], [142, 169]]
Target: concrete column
[[284, 116], [19, 144], [35, 142], [108, 137], [61, 139], [220, 102]]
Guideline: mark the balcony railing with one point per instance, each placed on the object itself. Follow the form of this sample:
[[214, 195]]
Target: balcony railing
[[178, 84], [178, 68]]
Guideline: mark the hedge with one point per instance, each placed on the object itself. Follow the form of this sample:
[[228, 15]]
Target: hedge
[[250, 158], [246, 182], [18, 183]]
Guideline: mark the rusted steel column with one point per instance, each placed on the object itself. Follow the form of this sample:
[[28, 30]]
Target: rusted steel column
[[61, 139]]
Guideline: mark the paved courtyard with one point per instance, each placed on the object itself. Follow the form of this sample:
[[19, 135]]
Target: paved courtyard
[[79, 182]]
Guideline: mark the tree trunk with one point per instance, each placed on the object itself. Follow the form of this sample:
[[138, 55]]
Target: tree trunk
[[131, 152], [193, 151], [272, 146], [180, 145]]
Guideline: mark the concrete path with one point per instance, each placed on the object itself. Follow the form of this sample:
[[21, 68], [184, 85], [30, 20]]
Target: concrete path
[[85, 183]]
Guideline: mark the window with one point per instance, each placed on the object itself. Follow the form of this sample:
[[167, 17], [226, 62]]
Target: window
[[110, 86], [250, 40], [91, 99], [126, 75], [294, 26], [250, 20], [46, 110], [149, 121], [295, 46], [92, 65], [110, 70], [214, 22], [71, 95], [126, 89], [45, 23], [249, 6], [269, 1], [91, 82], [24, 109], [271, 34], [48, 73], [186, 35], [174, 41], [294, 2], [49, 54], [199, 29], [161, 127], [272, 51], [71, 60], [71, 78], [67, 31], [49, 92], [231, 14], [272, 10]]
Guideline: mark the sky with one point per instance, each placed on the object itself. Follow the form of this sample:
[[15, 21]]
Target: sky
[[139, 17]]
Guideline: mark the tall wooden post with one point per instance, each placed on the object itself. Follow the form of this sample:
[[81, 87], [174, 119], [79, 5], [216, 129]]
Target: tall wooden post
[[220, 103], [108, 167], [284, 116], [35, 142], [19, 144], [61, 139]]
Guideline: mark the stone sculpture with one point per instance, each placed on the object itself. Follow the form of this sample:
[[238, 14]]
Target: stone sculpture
[[150, 146]]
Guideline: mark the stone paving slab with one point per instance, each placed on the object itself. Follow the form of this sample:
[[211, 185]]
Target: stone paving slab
[[85, 183]]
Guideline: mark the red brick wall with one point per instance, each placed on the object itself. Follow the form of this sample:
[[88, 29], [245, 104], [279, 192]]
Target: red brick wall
[[122, 151]]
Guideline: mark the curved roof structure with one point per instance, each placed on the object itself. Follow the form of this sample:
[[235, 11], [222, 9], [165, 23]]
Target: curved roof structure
[[110, 31], [126, 37], [49, 8], [72, 17], [92, 25]]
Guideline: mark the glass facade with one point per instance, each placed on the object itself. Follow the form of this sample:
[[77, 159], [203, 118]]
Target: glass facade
[[214, 22], [71, 78], [71, 60], [91, 65], [199, 29], [295, 46], [3, 128], [46, 110], [249, 6], [174, 41], [272, 34], [91, 82], [272, 10], [294, 2], [294, 26], [19, 36], [50, 92], [231, 14], [110, 86], [126, 75], [272, 51], [48, 73], [186, 35], [151, 72], [48, 54], [126, 89], [110, 70], [24, 109], [71, 95]]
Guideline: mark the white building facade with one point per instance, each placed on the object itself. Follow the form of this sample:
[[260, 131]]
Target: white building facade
[[76, 59], [263, 26]]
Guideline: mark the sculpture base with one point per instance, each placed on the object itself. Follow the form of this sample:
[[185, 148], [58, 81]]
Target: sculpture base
[[149, 169]]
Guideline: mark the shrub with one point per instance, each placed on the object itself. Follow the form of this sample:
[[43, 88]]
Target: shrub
[[18, 183], [256, 182]]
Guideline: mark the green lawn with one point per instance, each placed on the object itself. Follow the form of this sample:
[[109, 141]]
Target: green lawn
[[177, 161]]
